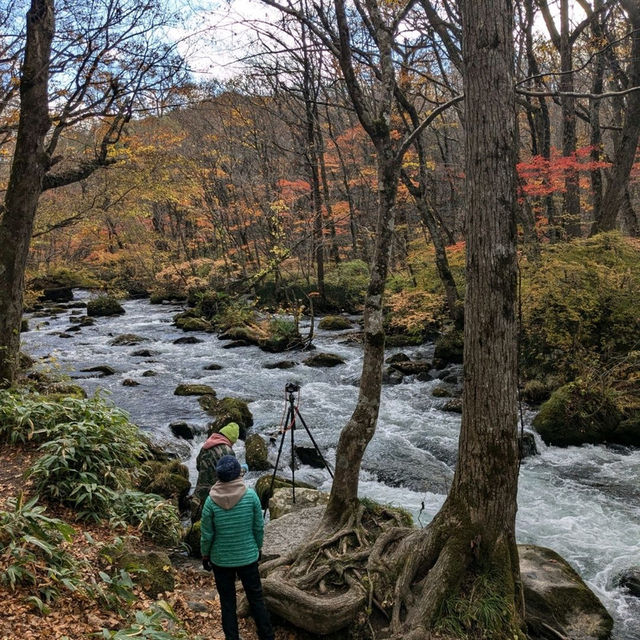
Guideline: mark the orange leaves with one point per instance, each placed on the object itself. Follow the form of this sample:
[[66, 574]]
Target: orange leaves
[[541, 177]]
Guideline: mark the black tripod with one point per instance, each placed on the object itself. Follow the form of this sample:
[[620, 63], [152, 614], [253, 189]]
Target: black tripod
[[289, 424]]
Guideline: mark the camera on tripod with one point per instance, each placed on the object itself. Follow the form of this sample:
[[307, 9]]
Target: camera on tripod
[[292, 387]]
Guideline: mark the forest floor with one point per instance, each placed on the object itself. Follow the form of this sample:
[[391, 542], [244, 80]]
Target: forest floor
[[194, 598]]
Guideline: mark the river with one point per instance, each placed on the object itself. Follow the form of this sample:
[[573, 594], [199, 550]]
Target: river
[[583, 502]]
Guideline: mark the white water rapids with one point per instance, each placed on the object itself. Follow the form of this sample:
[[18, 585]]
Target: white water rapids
[[583, 502]]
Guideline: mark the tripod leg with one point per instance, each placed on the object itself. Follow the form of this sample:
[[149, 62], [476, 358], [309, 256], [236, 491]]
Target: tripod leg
[[293, 459], [304, 424], [289, 417]]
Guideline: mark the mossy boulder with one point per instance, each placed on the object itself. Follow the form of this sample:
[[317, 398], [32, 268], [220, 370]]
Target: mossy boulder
[[442, 392], [24, 325], [127, 340], [334, 323], [282, 503], [227, 410], [243, 333], [256, 453], [187, 340], [130, 382], [579, 413], [281, 364], [101, 370], [192, 540], [194, 390], [167, 479], [557, 598], [403, 340], [156, 298], [149, 373], [448, 349], [397, 357], [193, 324], [264, 491], [411, 367], [453, 406], [324, 360], [65, 389], [152, 571], [104, 306]]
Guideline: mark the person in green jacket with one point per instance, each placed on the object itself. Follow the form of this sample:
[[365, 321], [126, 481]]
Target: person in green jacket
[[231, 534], [217, 445]]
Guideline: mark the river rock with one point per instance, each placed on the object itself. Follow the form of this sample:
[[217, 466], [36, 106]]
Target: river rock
[[104, 306], [576, 414], [24, 325], [102, 369], [290, 531], [324, 360], [442, 392], [213, 367], [225, 411], [282, 503], [398, 464], [126, 340], [73, 328], [282, 364], [265, 492], [397, 357], [334, 323], [630, 579], [448, 349], [149, 373], [182, 430], [390, 376], [234, 344], [257, 453], [310, 456], [143, 353], [188, 340], [192, 540], [412, 367], [151, 570], [167, 479], [194, 390], [193, 324], [454, 405], [527, 445], [129, 382], [64, 335], [555, 596]]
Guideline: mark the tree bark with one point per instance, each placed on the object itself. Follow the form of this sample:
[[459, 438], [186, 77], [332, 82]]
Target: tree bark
[[30, 163], [628, 145]]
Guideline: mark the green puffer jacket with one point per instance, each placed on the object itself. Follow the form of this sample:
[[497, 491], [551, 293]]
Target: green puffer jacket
[[232, 528]]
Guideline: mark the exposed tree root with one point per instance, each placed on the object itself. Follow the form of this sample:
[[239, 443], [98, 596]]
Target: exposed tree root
[[370, 564]]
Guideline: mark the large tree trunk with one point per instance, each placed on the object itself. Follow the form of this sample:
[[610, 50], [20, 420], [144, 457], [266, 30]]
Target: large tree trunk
[[30, 163], [626, 152]]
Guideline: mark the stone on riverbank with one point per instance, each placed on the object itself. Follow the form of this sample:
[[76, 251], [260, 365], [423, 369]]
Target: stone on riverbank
[[194, 390], [334, 323], [104, 306], [324, 360], [282, 503], [127, 340], [151, 570], [257, 453], [167, 479], [578, 414], [556, 597], [448, 349], [263, 487]]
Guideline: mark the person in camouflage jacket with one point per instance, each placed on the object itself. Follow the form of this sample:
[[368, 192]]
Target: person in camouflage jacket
[[218, 445]]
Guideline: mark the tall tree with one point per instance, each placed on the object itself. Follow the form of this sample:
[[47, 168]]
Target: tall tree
[[29, 166]]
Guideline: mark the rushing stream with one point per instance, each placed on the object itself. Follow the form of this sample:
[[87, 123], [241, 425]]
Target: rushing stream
[[583, 502]]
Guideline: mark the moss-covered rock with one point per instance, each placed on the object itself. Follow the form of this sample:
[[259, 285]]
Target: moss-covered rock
[[556, 597], [324, 360], [104, 306], [156, 298], [265, 492], [101, 370], [127, 340], [193, 324], [247, 334], [397, 357], [149, 373], [403, 340], [192, 540], [151, 570], [630, 579], [225, 411], [411, 367], [282, 503], [281, 364], [535, 392], [442, 392], [453, 406], [194, 390], [579, 413], [187, 340], [334, 323], [256, 453], [24, 325], [448, 349], [64, 389], [167, 479]]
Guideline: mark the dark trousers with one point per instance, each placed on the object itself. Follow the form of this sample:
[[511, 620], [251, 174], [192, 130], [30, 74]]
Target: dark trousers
[[226, 584]]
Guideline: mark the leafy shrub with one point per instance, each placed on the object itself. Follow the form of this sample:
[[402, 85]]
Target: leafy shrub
[[158, 623], [33, 551], [156, 518], [346, 285], [236, 314]]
